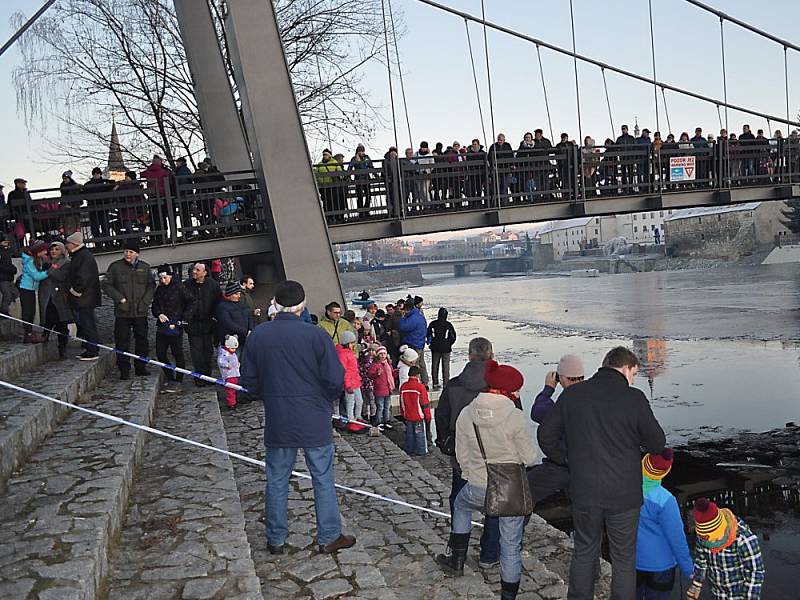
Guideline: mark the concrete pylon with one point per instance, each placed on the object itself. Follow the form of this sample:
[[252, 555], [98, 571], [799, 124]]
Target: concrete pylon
[[280, 154], [222, 127]]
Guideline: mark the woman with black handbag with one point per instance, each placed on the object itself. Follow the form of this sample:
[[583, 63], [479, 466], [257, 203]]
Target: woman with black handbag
[[493, 447]]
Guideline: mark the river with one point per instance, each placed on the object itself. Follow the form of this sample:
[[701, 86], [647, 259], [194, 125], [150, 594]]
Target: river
[[720, 351]]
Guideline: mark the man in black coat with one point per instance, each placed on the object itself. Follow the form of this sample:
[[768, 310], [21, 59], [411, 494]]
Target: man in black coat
[[607, 422], [97, 204], [441, 337], [626, 161], [457, 395], [200, 328], [84, 289], [233, 316], [171, 305]]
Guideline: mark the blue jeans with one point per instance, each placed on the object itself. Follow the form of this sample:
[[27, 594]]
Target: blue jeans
[[353, 402], [490, 538], [415, 442], [384, 409], [280, 462], [470, 499]]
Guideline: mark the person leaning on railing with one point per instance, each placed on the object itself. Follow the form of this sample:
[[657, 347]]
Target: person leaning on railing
[[329, 190], [98, 206]]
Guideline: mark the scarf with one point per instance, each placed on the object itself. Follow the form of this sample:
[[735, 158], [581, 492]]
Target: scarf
[[649, 484]]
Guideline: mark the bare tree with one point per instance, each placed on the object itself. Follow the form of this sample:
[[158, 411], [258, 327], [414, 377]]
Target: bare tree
[[87, 60]]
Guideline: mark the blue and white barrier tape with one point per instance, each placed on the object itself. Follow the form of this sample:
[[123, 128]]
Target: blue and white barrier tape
[[157, 363], [235, 455]]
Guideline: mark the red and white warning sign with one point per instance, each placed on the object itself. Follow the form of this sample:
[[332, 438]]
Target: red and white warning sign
[[682, 168]]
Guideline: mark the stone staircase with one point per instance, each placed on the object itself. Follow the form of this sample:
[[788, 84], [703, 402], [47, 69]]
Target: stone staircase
[[91, 509]]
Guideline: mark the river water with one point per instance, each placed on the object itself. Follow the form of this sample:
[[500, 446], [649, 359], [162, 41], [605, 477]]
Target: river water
[[720, 351]]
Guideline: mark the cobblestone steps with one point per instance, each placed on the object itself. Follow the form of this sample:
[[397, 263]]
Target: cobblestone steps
[[63, 507], [18, 358], [26, 421], [410, 479], [184, 532], [393, 559]]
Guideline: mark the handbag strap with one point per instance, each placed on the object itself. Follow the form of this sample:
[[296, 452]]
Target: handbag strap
[[480, 441]]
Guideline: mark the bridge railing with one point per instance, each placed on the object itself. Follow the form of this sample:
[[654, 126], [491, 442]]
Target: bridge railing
[[424, 185], [163, 212]]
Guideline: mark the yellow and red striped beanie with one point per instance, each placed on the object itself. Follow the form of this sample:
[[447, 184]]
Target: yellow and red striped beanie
[[709, 521], [656, 466]]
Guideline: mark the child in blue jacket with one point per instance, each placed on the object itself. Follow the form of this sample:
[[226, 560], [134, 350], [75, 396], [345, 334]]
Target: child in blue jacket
[[661, 540]]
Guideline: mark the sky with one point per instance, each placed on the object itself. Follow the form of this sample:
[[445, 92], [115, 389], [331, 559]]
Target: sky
[[440, 91]]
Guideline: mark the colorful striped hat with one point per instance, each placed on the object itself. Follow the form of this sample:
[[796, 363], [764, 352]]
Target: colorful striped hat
[[656, 466], [709, 521]]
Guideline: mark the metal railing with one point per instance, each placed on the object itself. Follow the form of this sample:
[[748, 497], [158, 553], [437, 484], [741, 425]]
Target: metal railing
[[425, 185], [169, 211]]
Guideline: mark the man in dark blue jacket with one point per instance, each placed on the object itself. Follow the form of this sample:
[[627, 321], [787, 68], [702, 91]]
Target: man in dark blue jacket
[[413, 331], [233, 317], [292, 366]]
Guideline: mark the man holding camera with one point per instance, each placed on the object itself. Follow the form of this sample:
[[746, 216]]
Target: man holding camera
[[550, 478]]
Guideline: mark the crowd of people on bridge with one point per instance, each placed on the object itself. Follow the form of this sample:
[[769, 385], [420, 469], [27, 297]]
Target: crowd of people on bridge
[[201, 204], [457, 176]]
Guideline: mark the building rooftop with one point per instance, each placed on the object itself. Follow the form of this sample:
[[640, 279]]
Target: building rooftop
[[568, 224], [688, 213]]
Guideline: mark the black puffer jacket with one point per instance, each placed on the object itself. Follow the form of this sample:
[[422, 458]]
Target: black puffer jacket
[[7, 268], [456, 395], [175, 302], [441, 333], [206, 295]]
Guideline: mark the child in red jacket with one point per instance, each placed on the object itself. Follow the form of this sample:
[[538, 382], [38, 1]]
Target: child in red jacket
[[415, 408], [352, 380]]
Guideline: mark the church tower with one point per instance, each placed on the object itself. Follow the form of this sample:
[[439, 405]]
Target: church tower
[[116, 166]]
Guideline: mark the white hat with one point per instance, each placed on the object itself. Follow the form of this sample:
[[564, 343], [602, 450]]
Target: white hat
[[231, 342], [272, 311], [347, 337], [408, 354]]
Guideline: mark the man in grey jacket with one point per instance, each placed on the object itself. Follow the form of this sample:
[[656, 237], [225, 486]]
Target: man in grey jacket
[[456, 395], [131, 286]]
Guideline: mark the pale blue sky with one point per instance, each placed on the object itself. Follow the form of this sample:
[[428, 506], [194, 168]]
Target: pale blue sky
[[441, 94]]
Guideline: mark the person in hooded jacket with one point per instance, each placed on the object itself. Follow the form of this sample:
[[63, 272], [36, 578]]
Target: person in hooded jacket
[[457, 395], [441, 337], [54, 310], [233, 317], [172, 305], [490, 430]]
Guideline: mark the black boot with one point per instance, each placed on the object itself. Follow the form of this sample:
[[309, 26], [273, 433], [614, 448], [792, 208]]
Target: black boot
[[453, 564], [508, 591]]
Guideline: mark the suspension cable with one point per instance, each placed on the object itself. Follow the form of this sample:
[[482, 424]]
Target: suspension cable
[[400, 74], [575, 65], [744, 25], [324, 108], [608, 101], [475, 78], [719, 117], [389, 70], [786, 81], [598, 63], [724, 72], [653, 55], [666, 110], [488, 69], [18, 33], [544, 90]]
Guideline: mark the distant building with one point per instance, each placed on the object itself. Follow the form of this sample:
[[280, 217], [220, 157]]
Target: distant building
[[724, 231], [116, 166], [574, 235], [640, 228]]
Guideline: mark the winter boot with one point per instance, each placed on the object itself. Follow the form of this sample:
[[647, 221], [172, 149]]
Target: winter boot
[[453, 564], [33, 338], [508, 591]]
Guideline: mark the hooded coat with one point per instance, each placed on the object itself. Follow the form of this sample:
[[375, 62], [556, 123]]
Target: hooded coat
[[54, 289], [83, 279], [504, 433], [413, 328], [441, 334]]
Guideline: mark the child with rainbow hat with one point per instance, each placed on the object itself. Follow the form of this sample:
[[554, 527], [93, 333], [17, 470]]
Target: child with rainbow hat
[[661, 540], [728, 555]]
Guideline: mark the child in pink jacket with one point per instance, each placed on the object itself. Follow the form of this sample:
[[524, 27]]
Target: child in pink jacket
[[352, 380], [382, 376]]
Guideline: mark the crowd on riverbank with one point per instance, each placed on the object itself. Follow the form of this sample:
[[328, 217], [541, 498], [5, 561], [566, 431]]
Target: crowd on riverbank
[[305, 373]]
